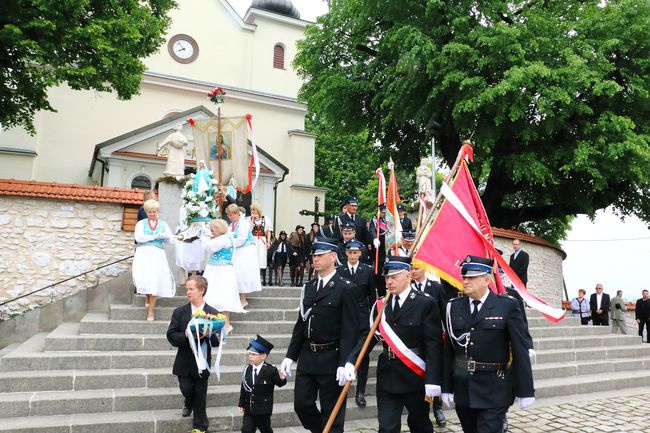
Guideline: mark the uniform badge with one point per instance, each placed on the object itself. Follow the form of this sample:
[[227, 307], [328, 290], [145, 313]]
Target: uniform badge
[[412, 295], [467, 259]]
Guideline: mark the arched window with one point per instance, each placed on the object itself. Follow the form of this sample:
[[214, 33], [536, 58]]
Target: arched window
[[278, 56], [141, 182]]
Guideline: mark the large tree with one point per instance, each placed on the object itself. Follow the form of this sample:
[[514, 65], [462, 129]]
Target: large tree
[[88, 44], [553, 94]]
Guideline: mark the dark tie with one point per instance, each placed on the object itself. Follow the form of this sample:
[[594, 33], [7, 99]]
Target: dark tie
[[352, 271], [419, 287], [396, 306], [476, 303], [320, 285], [255, 373]]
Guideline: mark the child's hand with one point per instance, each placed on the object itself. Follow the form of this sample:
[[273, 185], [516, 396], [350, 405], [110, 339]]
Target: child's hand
[[282, 375], [241, 410]]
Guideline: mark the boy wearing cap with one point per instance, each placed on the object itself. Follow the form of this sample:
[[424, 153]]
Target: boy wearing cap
[[325, 333], [363, 277], [258, 381], [486, 355], [410, 367]]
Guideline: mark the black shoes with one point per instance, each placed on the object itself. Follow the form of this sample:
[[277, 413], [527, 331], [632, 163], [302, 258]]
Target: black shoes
[[441, 421], [186, 412], [360, 399]]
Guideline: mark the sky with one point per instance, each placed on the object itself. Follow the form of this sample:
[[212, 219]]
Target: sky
[[606, 251]]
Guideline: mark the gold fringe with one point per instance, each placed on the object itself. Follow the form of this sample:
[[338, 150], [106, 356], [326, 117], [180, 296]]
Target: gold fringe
[[442, 274]]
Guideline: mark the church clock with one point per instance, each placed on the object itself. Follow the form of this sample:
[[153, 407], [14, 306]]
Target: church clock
[[183, 48]]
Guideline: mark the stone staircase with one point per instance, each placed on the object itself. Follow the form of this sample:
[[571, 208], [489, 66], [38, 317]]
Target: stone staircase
[[112, 371]]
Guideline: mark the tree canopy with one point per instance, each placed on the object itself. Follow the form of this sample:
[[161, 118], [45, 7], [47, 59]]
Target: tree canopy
[[553, 94], [88, 44]]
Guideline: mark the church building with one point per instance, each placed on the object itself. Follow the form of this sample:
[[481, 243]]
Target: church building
[[95, 139]]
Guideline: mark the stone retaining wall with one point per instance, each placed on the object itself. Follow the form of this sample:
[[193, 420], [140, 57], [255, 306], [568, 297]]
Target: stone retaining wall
[[46, 240]]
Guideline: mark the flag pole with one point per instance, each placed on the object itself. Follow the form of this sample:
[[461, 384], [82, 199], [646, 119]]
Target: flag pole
[[362, 353]]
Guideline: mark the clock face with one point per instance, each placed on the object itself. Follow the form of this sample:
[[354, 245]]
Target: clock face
[[183, 48]]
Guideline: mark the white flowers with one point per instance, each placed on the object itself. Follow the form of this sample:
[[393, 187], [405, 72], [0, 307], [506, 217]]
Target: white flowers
[[203, 212]]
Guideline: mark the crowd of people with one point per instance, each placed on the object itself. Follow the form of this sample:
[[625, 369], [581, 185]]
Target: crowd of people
[[599, 309]]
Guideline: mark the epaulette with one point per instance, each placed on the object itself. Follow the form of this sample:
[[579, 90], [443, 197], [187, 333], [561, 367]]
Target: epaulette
[[457, 298]]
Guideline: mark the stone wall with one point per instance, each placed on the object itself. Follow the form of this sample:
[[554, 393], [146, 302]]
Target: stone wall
[[545, 278], [46, 240]]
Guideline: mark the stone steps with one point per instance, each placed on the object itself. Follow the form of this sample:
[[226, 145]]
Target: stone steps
[[130, 312]]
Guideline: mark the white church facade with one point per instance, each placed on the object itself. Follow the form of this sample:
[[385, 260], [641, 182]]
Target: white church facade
[[95, 139]]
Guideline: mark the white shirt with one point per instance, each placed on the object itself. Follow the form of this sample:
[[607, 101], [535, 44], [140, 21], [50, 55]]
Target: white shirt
[[599, 298], [401, 297], [256, 371], [483, 298], [353, 269], [197, 308], [516, 253], [326, 279]]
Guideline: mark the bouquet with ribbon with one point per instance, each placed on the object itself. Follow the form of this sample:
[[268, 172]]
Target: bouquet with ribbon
[[203, 325]]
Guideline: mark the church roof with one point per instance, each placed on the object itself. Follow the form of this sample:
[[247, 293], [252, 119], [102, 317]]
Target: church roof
[[282, 7], [75, 192]]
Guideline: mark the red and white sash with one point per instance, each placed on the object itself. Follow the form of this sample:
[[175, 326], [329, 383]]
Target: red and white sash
[[406, 355]]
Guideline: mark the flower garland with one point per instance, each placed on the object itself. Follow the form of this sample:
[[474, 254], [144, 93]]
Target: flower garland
[[198, 205]]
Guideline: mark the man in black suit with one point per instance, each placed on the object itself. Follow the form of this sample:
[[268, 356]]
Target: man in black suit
[[599, 304], [519, 261], [350, 215], [405, 221], [410, 367], [259, 380], [642, 314], [421, 283], [349, 232], [192, 382], [325, 333], [363, 277], [486, 353]]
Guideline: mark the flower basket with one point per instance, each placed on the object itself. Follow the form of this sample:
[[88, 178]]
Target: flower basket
[[202, 319]]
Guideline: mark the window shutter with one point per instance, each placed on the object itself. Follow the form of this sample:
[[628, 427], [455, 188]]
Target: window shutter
[[278, 56]]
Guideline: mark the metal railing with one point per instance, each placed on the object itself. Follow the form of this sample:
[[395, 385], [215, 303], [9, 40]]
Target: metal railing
[[9, 301]]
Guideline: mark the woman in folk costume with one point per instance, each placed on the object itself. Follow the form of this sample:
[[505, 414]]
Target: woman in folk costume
[[222, 291], [261, 229], [189, 252], [245, 259], [151, 274]]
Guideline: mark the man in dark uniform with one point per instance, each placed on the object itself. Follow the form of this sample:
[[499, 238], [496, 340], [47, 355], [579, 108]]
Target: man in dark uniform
[[379, 243], [363, 277], [519, 261], [349, 232], [421, 283], [486, 354], [405, 221], [350, 215], [408, 239], [410, 367], [325, 334]]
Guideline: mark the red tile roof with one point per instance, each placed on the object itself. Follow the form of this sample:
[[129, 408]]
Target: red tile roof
[[63, 191]]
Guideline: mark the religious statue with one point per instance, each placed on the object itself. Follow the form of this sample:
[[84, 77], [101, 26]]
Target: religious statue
[[175, 143], [203, 180], [424, 176]]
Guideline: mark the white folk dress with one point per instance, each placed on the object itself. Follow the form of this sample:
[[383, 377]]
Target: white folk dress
[[151, 273], [222, 291], [189, 255], [259, 227], [247, 268]]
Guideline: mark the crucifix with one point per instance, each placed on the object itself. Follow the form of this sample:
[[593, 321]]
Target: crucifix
[[315, 212]]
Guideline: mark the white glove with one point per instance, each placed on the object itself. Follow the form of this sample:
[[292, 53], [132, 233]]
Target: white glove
[[341, 376], [432, 390], [350, 373], [526, 402], [286, 366], [531, 354], [447, 399], [376, 243]]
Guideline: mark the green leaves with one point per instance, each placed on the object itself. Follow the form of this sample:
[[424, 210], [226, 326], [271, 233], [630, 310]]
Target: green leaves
[[88, 44], [554, 94]]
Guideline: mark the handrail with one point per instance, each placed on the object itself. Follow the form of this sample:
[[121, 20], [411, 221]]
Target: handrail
[[67, 279]]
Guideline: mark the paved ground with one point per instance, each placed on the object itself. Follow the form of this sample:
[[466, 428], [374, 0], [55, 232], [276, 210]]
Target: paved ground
[[624, 411]]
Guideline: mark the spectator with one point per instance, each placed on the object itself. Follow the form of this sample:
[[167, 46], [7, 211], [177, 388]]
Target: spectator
[[281, 250], [642, 315], [327, 230], [580, 307], [261, 229], [312, 237], [599, 304], [298, 257], [519, 261], [618, 309]]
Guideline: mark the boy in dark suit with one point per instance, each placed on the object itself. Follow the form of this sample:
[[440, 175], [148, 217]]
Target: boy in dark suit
[[257, 383], [192, 382]]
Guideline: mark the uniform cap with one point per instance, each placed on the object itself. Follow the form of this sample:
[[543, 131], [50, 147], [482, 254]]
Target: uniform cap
[[353, 245], [396, 264], [348, 227], [474, 266], [324, 245], [352, 200], [259, 345], [408, 235]]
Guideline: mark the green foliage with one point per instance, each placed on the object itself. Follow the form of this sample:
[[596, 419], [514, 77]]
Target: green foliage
[[555, 95], [88, 44]]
